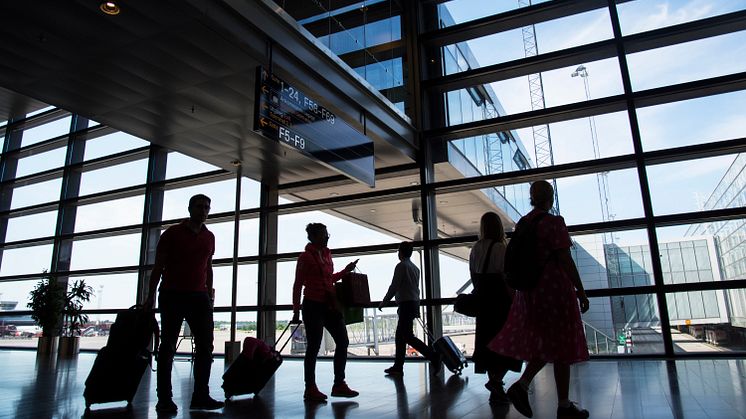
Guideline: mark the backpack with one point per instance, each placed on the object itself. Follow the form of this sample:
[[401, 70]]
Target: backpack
[[523, 266]]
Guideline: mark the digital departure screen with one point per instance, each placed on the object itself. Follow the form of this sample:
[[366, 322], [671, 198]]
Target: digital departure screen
[[287, 115]]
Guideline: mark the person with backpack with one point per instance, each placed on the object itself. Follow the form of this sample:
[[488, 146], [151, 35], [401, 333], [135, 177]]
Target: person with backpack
[[544, 324], [494, 298]]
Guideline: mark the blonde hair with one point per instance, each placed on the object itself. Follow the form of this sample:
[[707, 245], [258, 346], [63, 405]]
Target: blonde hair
[[491, 227]]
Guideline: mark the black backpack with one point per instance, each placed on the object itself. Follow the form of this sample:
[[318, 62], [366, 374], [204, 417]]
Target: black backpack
[[523, 266]]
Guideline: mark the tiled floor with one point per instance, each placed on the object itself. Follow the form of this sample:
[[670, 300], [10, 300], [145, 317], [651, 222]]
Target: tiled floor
[[608, 389]]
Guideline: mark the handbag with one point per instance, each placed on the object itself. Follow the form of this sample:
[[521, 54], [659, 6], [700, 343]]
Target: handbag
[[468, 303], [351, 313], [353, 290]]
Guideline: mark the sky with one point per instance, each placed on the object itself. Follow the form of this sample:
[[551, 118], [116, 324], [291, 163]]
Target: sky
[[677, 187]]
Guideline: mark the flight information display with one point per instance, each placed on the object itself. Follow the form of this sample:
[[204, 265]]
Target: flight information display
[[286, 114]]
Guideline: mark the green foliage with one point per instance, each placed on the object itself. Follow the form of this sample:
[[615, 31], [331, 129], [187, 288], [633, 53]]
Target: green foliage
[[50, 304], [76, 295], [47, 302]]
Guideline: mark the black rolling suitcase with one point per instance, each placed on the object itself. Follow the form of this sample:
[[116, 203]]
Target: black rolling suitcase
[[251, 370], [452, 357], [120, 365]]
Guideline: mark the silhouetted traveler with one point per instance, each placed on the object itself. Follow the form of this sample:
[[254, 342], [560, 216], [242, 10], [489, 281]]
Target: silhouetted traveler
[[184, 261], [314, 274], [486, 262], [544, 323], [405, 286]]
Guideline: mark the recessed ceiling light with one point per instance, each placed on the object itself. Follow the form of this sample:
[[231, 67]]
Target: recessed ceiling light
[[372, 210], [110, 8]]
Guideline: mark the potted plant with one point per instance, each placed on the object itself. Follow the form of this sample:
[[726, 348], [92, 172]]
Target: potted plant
[[76, 295], [47, 302]]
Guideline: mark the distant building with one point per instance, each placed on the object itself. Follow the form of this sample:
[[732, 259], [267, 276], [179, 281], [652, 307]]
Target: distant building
[[730, 235]]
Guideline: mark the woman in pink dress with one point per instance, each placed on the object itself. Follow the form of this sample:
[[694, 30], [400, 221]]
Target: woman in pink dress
[[544, 322]]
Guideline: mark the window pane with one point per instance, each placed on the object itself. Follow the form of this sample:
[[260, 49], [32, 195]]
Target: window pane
[[40, 162], [31, 226], [26, 260], [683, 186], [612, 260], [576, 140], [111, 144], [511, 96], [637, 316], [555, 35], [37, 193], [247, 285], [601, 333], [115, 213], [179, 165], [688, 61], [701, 321], [695, 121], [644, 15], [245, 327], [221, 193], [223, 239], [580, 201], [45, 132], [459, 11], [248, 239], [384, 222], [106, 252], [110, 292], [113, 177], [250, 193], [454, 271], [15, 296]]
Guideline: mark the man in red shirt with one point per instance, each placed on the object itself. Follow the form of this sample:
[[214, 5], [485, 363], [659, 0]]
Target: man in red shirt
[[183, 260]]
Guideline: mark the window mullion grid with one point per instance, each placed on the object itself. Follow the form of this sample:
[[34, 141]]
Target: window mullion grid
[[643, 179]]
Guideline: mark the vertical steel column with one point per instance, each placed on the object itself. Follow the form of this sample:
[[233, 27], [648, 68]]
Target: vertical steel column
[[429, 112], [233, 348], [152, 213], [267, 292], [643, 179], [68, 205], [8, 165], [234, 262]]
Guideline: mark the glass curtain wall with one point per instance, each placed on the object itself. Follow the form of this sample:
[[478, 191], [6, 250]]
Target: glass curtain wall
[[640, 137], [613, 103]]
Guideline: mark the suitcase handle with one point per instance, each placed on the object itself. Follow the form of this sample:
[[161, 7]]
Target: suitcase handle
[[290, 337], [424, 327]]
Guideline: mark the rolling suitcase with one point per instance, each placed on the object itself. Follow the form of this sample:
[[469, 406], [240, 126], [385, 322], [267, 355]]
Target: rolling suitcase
[[452, 357], [449, 353], [253, 368], [119, 366], [113, 377]]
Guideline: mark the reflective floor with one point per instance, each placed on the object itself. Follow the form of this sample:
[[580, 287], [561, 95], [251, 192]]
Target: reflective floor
[[608, 389]]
